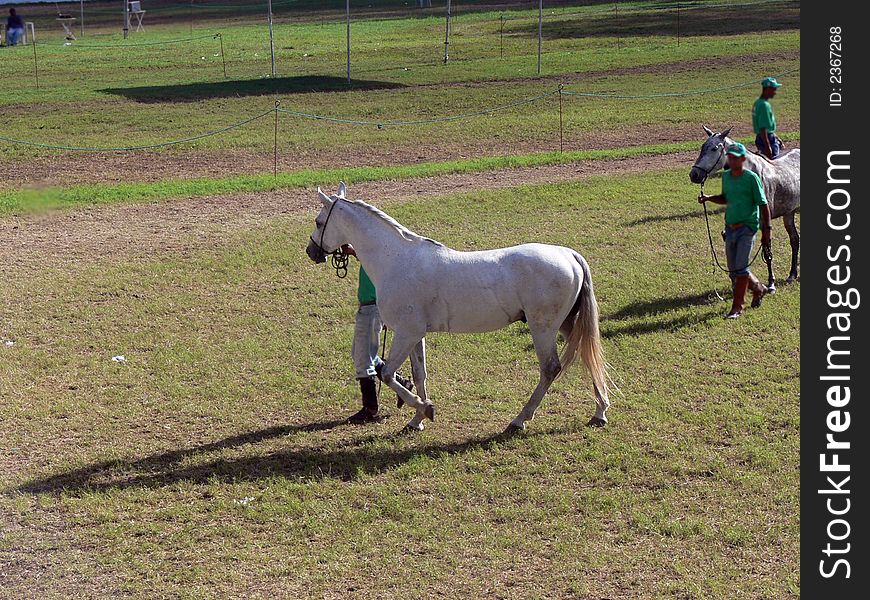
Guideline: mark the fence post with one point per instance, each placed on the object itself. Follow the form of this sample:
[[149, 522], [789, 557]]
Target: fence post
[[447, 35], [678, 23], [277, 102], [35, 64], [223, 60], [616, 5], [561, 126], [540, 31], [501, 37]]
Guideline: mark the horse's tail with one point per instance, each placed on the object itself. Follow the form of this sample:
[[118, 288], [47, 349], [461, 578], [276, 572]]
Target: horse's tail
[[585, 335]]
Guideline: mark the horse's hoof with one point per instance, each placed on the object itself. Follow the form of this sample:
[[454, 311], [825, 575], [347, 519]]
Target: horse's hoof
[[771, 289], [596, 422], [410, 429], [791, 279], [514, 429], [430, 412]]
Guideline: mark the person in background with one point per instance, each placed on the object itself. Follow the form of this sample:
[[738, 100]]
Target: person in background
[[745, 210], [763, 121], [14, 28]]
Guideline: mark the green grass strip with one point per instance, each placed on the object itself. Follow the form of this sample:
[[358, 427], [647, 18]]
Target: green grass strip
[[18, 202]]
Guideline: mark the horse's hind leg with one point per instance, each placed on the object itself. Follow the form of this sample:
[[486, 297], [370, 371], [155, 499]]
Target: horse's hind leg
[[548, 358], [795, 239]]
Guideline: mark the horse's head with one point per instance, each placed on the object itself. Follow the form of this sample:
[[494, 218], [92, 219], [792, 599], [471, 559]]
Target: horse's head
[[712, 156], [325, 238]]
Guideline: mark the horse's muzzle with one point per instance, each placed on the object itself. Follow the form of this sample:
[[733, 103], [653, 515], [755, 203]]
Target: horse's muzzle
[[697, 175], [315, 252]]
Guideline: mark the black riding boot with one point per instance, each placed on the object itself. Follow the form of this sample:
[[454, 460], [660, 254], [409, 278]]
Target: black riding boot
[[369, 411]]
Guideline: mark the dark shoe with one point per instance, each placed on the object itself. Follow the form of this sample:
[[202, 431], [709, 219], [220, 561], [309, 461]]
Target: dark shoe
[[365, 416], [759, 290]]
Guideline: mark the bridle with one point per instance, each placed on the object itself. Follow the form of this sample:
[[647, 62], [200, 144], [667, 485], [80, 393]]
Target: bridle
[[338, 257], [715, 166]]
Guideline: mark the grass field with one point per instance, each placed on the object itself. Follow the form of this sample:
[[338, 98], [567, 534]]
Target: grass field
[[131, 478], [214, 461], [99, 93]]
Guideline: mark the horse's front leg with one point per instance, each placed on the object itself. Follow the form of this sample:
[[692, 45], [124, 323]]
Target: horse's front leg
[[771, 279], [404, 343], [418, 369]]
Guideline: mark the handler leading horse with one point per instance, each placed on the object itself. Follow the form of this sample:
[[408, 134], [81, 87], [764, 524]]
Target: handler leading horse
[[781, 179], [424, 286]]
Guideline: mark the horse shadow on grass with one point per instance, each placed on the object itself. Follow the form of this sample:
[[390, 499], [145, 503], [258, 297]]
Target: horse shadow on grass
[[645, 309], [193, 92], [345, 463]]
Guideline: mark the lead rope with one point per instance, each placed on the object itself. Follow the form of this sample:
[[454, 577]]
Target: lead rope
[[714, 261], [383, 351]]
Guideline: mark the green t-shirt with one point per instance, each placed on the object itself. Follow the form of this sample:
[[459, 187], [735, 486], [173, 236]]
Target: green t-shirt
[[366, 291], [743, 196], [762, 116]]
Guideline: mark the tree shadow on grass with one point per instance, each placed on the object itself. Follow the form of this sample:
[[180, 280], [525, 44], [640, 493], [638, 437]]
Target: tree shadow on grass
[[193, 92], [663, 20], [343, 463]]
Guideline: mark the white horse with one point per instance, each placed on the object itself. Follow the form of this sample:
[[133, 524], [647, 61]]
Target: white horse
[[424, 286], [781, 179]]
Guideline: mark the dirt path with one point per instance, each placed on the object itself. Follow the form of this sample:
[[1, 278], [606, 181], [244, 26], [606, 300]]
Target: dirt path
[[76, 169], [69, 168], [181, 227]]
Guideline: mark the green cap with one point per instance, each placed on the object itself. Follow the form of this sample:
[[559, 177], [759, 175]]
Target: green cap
[[770, 82], [736, 149]]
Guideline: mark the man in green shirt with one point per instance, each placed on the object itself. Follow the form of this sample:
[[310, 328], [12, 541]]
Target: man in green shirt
[[366, 361], [763, 121], [745, 210]]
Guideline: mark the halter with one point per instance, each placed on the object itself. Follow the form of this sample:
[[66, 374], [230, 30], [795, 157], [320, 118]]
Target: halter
[[715, 164], [338, 258]]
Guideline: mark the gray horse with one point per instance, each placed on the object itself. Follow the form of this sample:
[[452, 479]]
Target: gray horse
[[782, 186]]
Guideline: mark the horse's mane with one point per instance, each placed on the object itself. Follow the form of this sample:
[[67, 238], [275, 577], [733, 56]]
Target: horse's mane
[[401, 229]]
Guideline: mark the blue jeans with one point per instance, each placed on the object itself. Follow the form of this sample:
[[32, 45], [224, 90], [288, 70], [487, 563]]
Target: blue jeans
[[738, 248], [13, 36], [365, 341], [775, 144]]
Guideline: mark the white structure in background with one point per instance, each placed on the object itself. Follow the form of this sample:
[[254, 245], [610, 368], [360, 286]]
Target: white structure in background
[[135, 9]]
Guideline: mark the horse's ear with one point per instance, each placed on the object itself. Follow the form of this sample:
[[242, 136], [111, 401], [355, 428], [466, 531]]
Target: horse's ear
[[708, 131], [726, 133], [323, 197], [342, 190]]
